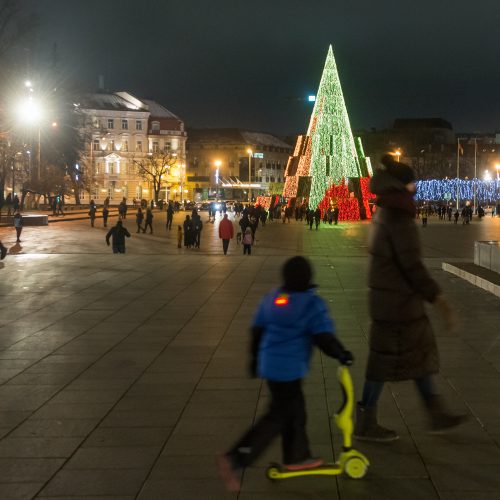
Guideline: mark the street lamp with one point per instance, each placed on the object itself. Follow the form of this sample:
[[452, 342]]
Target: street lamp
[[250, 154], [398, 154], [29, 111]]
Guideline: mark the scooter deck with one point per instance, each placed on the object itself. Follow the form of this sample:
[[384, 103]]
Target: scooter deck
[[279, 472]]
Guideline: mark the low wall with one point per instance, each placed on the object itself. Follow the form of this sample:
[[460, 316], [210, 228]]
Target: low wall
[[487, 255], [28, 220]]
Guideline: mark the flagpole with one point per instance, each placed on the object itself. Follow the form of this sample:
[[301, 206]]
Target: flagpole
[[458, 172]]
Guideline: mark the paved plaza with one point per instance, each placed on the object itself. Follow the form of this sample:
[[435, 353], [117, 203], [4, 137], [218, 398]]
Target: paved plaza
[[122, 376]]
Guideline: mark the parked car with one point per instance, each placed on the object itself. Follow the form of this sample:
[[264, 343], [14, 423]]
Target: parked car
[[203, 206]]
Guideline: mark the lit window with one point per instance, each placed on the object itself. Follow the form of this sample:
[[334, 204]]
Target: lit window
[[138, 125], [125, 146], [168, 146], [95, 145], [111, 123], [111, 145], [124, 124], [138, 146]]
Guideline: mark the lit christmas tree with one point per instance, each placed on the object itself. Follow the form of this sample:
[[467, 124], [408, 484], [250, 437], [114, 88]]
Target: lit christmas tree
[[327, 163]]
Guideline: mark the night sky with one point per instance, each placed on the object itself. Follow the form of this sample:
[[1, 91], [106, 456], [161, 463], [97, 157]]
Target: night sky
[[236, 63]]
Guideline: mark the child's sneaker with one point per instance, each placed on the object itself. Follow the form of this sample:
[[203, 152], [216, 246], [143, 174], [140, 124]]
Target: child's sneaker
[[228, 473], [310, 463]]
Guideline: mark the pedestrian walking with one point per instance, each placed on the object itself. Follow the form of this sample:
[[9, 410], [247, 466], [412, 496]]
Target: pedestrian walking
[[18, 224], [117, 234], [170, 215], [9, 203], [3, 251], [149, 221], [122, 209], [16, 205], [92, 213], [139, 217], [247, 241], [197, 228], [226, 232], [188, 232], [310, 218], [287, 211], [336, 215], [317, 217], [60, 205], [402, 341], [289, 322], [105, 214]]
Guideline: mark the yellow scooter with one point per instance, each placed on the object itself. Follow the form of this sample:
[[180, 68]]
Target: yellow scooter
[[351, 462]]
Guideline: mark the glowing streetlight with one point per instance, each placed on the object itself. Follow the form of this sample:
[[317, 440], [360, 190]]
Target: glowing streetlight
[[398, 154], [497, 167], [29, 111], [250, 154], [487, 175]]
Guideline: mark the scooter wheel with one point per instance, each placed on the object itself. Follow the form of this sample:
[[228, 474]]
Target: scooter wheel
[[273, 473], [355, 468]]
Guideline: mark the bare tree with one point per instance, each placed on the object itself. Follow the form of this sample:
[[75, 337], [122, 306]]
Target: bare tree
[[154, 167], [11, 152]]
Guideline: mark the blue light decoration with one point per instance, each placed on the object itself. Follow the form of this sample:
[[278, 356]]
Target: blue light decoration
[[446, 190]]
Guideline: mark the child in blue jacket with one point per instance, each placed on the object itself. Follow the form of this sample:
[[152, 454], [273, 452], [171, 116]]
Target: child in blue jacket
[[289, 322]]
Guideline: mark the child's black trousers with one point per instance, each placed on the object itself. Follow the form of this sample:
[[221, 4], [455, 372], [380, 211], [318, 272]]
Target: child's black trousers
[[286, 416]]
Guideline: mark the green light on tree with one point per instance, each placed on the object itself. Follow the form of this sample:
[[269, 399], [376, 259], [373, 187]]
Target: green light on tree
[[333, 152]]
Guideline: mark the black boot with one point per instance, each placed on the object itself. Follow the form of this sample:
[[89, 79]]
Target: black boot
[[440, 419], [367, 428]]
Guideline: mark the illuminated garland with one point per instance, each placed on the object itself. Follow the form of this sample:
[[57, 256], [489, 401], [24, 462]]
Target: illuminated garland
[[340, 197], [328, 153], [264, 201], [290, 189], [446, 189], [333, 152], [367, 195]]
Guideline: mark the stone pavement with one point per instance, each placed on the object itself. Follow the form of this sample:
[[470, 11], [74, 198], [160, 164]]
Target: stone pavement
[[121, 376]]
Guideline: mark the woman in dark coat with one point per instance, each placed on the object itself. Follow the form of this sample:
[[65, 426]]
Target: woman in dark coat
[[188, 232], [402, 342]]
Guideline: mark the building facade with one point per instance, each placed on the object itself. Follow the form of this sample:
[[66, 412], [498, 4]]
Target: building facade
[[122, 131], [431, 147], [218, 162]]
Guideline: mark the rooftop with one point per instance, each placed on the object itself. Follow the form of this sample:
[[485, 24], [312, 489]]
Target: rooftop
[[235, 136]]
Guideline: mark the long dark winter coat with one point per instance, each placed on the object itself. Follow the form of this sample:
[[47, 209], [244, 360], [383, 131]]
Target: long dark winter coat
[[402, 342]]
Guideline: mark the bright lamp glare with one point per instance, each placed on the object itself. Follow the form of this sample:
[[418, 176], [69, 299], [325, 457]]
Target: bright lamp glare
[[29, 111], [311, 98]]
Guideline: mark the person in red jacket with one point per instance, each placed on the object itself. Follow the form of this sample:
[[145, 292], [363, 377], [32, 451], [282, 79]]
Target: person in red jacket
[[226, 232]]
